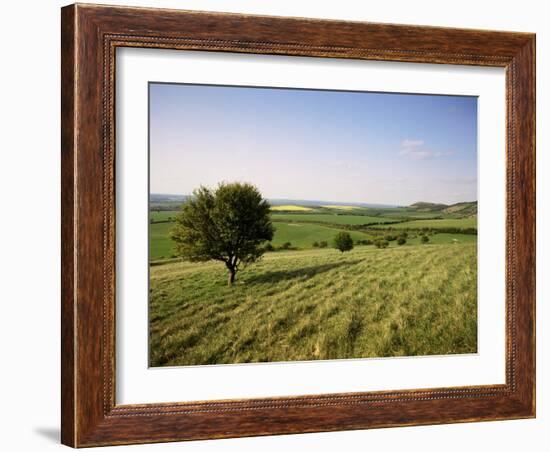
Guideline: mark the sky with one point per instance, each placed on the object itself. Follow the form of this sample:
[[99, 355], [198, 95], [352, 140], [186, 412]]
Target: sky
[[381, 148]]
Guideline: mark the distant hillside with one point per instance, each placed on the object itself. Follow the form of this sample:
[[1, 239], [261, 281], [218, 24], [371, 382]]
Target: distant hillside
[[161, 202], [462, 209], [424, 209], [458, 210], [427, 207], [159, 198]]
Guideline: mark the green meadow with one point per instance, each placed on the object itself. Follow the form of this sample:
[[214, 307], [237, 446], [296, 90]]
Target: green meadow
[[302, 235], [317, 304], [160, 245], [163, 215], [299, 235]]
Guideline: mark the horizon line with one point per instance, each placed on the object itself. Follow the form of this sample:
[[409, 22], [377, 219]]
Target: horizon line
[[337, 202]]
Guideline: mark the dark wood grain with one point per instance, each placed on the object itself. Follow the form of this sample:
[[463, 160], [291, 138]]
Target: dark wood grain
[[90, 36], [67, 224]]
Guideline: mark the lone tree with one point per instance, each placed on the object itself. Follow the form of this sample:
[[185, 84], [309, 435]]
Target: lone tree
[[343, 241], [229, 224]]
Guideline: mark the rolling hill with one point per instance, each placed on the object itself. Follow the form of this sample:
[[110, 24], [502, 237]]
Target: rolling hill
[[458, 210]]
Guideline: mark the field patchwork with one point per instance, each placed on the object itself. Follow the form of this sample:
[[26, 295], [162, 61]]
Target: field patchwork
[[301, 234]]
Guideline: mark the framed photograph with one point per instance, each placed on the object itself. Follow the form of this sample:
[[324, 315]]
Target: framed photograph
[[281, 225]]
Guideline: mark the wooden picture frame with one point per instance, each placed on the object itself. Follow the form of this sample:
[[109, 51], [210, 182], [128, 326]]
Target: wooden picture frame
[[90, 36]]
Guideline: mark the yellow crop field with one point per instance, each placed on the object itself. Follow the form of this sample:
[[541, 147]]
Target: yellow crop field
[[294, 208]]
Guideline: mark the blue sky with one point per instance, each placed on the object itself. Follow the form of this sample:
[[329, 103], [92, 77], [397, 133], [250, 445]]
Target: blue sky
[[316, 145]]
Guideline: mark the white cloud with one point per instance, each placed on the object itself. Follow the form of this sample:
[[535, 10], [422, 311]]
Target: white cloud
[[411, 143], [414, 149]]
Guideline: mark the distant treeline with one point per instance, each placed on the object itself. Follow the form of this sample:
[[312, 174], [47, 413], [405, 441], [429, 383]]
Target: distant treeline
[[438, 229], [164, 220], [349, 227]]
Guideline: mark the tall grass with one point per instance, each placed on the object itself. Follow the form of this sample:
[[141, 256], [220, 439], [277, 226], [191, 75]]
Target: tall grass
[[317, 304]]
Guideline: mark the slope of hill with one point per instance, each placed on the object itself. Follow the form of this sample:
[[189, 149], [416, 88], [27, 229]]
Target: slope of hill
[[462, 209], [427, 207], [458, 210]]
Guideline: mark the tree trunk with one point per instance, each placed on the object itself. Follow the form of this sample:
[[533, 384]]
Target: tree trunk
[[231, 278]]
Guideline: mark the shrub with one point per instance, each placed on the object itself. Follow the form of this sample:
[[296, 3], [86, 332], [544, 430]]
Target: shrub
[[286, 246], [363, 242], [315, 244], [269, 247], [381, 243], [323, 244], [401, 240], [390, 238], [343, 242], [425, 239]]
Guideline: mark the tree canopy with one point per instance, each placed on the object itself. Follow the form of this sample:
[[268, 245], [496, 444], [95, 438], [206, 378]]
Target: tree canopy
[[229, 224]]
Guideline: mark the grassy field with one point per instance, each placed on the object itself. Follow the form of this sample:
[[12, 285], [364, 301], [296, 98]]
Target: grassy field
[[160, 244], [317, 304], [443, 223], [442, 239], [163, 215], [302, 235], [330, 218]]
